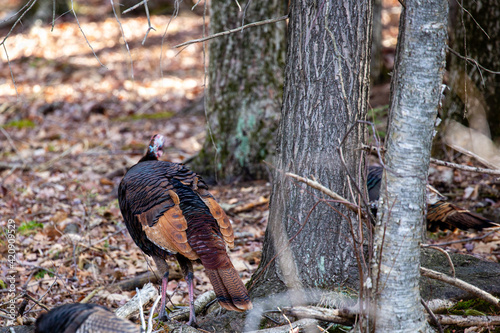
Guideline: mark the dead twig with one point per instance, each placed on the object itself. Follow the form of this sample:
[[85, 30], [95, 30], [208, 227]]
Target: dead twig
[[139, 281], [435, 161], [461, 240], [295, 326], [487, 297], [26, 295], [140, 3], [228, 32], [433, 316], [72, 10], [249, 206], [199, 304], [468, 321], [23, 167], [447, 257], [323, 314], [465, 167], [92, 294], [314, 184], [123, 35], [148, 293]]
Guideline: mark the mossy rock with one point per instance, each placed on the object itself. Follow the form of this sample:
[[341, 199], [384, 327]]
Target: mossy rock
[[482, 274]]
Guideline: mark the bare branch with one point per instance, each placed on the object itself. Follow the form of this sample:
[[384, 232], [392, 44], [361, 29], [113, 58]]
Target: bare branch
[[447, 257], [487, 297], [150, 27], [435, 161], [469, 321], [148, 293], [472, 17], [465, 167], [83, 33], [463, 240], [302, 323], [17, 21], [142, 2], [228, 32], [124, 39], [314, 184], [473, 62], [323, 314], [433, 316]]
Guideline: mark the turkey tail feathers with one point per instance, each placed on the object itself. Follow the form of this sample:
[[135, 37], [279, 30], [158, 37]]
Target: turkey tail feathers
[[457, 217], [229, 289]]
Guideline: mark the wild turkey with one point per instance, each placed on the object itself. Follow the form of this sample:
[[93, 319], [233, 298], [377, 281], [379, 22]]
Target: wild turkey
[[82, 318], [440, 214], [168, 210]]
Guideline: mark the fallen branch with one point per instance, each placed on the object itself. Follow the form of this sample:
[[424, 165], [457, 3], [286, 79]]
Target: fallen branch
[[465, 167], [148, 293], [463, 240], [292, 327], [199, 304], [452, 267], [468, 321], [440, 305], [140, 280], [92, 294], [331, 315], [487, 297], [431, 314], [249, 206], [6, 166], [228, 32]]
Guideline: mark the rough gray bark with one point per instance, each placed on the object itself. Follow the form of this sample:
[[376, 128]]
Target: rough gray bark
[[376, 64], [244, 90], [326, 92], [416, 90], [475, 92]]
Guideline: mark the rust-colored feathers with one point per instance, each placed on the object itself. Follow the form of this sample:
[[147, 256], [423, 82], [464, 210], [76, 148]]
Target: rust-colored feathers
[[440, 214], [168, 210]]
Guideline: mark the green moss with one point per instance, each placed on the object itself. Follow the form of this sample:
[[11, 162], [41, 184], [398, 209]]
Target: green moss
[[29, 227], [41, 274], [22, 123], [135, 117], [473, 307]]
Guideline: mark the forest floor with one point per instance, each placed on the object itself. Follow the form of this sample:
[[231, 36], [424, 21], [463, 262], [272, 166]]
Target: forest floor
[[71, 127]]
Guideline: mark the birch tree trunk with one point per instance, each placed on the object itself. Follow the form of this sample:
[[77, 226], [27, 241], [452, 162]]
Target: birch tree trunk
[[244, 90], [416, 86], [326, 93]]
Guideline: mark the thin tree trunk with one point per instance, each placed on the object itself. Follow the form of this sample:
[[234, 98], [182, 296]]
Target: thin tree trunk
[[326, 92], [416, 91], [244, 90]]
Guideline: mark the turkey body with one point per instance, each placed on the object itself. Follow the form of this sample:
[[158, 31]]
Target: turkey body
[[168, 210], [440, 214], [82, 318]]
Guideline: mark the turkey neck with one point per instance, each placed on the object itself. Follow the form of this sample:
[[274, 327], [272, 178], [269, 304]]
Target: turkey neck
[[203, 232], [150, 156]]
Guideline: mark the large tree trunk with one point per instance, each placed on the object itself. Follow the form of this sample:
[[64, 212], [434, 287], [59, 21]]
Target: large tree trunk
[[244, 91], [376, 64], [326, 93], [475, 92], [416, 90]]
